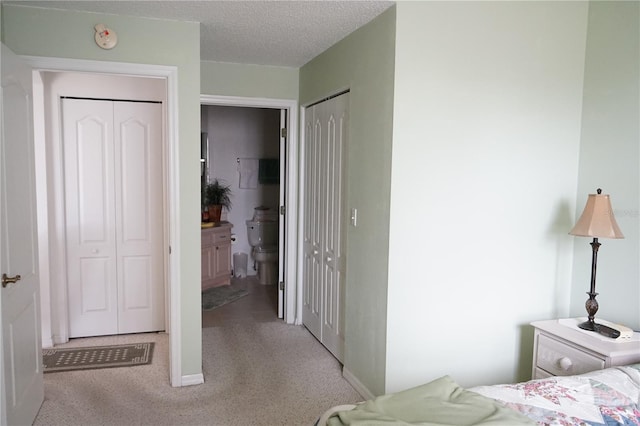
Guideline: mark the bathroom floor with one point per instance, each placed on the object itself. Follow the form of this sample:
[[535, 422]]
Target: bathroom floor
[[260, 305]]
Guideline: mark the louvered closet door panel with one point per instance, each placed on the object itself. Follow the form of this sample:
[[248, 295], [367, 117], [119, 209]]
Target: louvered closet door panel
[[89, 218], [139, 216]]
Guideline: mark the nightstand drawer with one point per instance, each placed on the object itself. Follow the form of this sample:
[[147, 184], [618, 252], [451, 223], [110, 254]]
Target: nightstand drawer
[[560, 359], [539, 373]]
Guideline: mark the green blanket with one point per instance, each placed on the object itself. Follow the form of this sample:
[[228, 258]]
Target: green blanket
[[438, 403]]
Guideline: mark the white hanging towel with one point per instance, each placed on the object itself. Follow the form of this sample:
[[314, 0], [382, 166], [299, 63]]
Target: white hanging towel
[[248, 169]]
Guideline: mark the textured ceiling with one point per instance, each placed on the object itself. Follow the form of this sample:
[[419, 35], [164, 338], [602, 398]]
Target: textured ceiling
[[268, 32]]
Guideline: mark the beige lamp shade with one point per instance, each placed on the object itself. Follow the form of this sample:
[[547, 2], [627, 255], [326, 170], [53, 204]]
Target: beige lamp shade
[[597, 219]]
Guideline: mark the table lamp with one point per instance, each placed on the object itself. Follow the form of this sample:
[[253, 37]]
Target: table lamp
[[596, 221]]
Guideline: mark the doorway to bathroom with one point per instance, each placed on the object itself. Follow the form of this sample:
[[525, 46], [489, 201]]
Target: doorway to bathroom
[[249, 145]]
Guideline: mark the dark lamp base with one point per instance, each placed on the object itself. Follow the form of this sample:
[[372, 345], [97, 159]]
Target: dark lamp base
[[589, 325]]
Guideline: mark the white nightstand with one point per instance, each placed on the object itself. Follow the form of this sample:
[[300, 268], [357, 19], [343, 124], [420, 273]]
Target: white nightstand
[[560, 348]]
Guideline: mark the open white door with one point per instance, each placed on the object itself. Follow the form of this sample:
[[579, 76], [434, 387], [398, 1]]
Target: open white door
[[283, 212], [22, 384]]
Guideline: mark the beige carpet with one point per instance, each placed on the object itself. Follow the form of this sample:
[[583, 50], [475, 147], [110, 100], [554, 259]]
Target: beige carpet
[[265, 373]]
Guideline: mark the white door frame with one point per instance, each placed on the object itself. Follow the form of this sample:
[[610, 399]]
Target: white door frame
[[172, 225], [292, 311]]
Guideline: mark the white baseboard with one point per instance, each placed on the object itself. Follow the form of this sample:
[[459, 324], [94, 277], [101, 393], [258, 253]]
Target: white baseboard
[[59, 339], [47, 342], [357, 385], [192, 379]]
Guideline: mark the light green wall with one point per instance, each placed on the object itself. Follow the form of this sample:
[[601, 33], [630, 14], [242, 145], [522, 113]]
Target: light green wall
[[610, 159], [363, 63], [254, 81], [469, 232], [51, 33], [486, 133]]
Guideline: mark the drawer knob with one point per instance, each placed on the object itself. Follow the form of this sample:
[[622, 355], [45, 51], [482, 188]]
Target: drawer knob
[[565, 363]]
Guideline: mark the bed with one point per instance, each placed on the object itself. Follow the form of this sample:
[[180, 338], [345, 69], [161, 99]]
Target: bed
[[603, 397]]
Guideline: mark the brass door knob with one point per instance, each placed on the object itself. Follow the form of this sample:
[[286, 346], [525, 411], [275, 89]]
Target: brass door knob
[[9, 280]]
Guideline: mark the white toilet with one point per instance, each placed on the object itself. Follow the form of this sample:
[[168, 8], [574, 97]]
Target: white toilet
[[262, 233]]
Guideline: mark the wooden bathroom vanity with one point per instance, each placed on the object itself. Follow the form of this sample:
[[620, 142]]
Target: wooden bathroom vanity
[[216, 255]]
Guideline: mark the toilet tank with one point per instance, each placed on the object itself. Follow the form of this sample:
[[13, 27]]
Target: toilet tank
[[262, 233]]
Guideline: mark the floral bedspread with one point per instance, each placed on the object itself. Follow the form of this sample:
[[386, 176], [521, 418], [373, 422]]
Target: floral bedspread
[[604, 397]]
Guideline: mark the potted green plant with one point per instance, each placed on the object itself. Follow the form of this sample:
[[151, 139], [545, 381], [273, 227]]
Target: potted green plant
[[216, 195]]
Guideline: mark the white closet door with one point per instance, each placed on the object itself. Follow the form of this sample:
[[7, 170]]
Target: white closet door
[[139, 216], [312, 220], [113, 194], [90, 217], [335, 121], [326, 133]]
